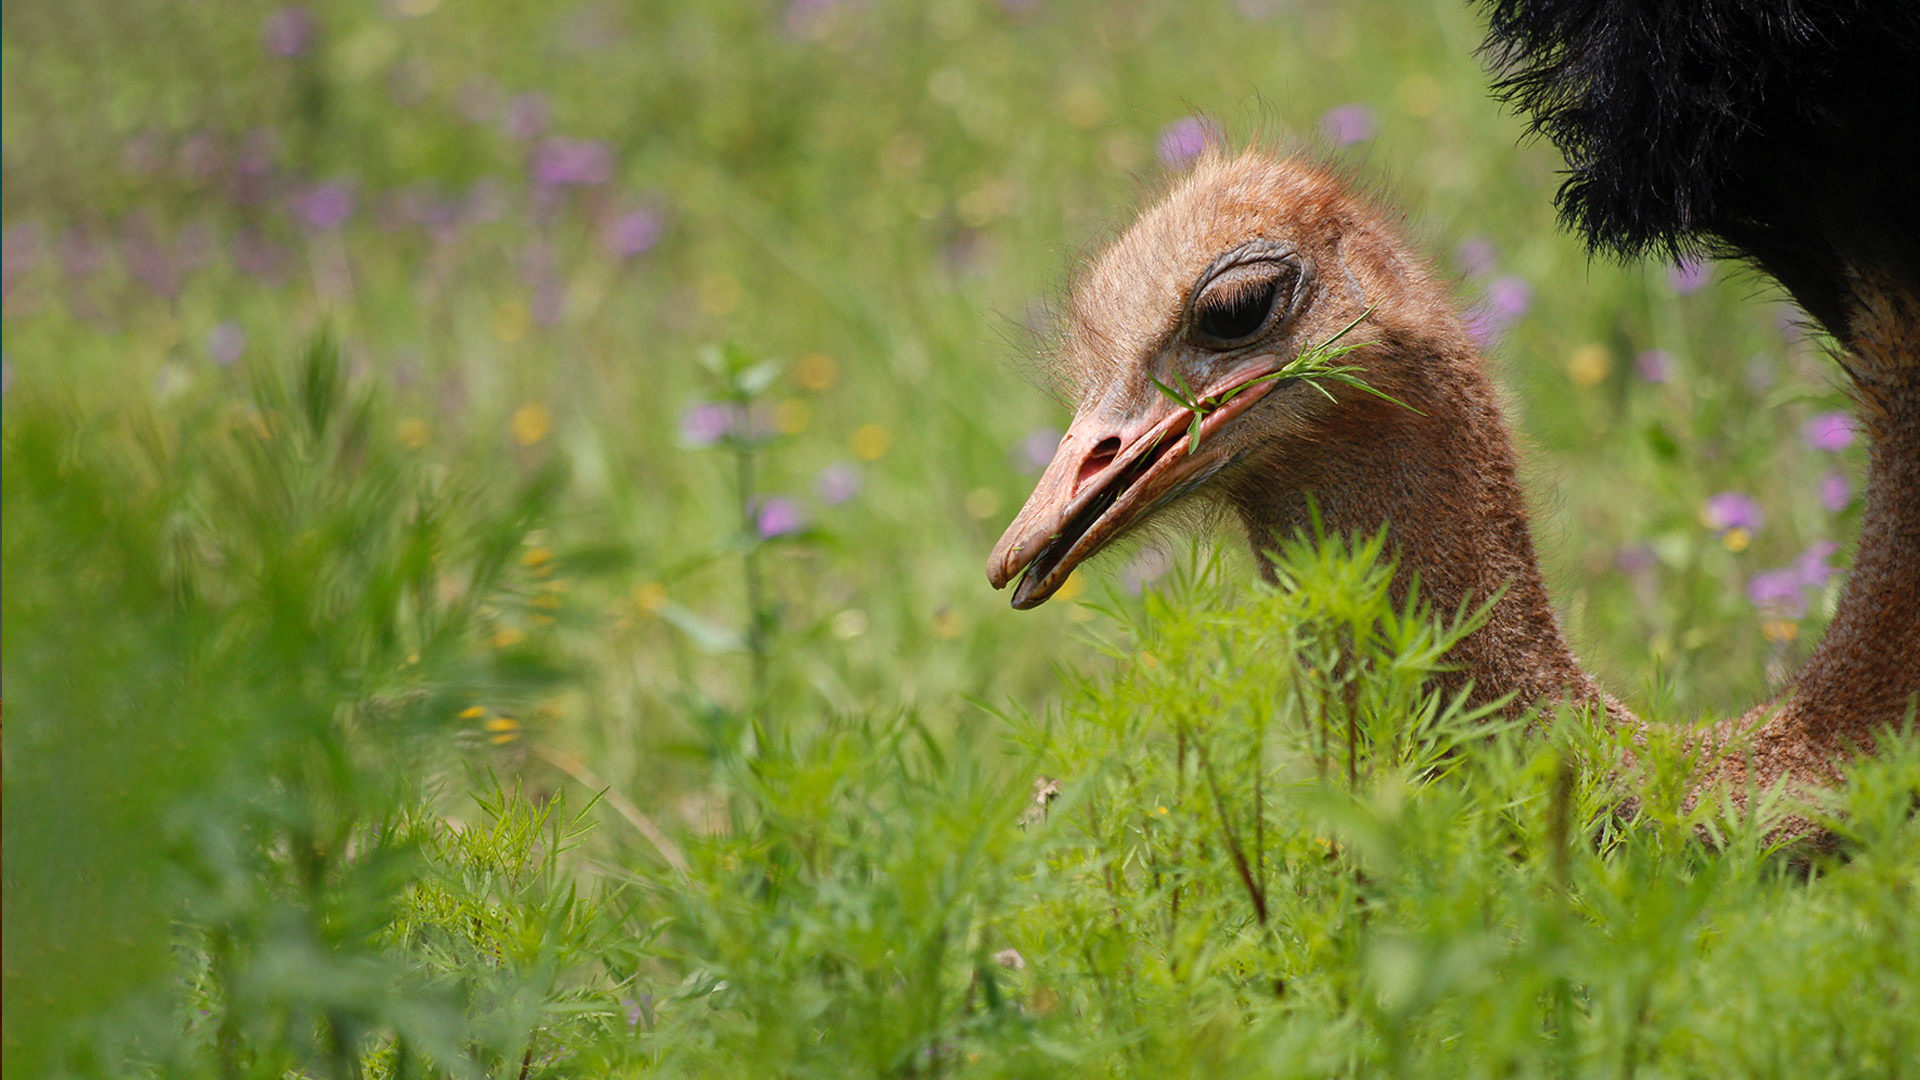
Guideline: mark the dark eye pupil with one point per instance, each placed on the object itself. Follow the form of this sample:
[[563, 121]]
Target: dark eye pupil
[[1239, 315]]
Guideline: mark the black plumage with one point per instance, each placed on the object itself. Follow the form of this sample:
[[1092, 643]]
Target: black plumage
[[1786, 132]]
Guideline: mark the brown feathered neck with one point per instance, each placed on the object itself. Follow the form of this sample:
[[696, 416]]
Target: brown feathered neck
[[1444, 484]]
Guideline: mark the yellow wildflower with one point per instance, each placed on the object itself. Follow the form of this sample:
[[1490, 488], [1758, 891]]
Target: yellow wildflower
[[530, 423], [412, 433], [815, 371], [1588, 365], [792, 416], [870, 442]]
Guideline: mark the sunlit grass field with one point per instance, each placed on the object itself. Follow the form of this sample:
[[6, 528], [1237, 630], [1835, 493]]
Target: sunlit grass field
[[496, 505]]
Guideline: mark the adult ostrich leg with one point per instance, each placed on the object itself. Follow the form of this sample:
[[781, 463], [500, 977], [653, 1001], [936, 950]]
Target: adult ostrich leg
[[1787, 135]]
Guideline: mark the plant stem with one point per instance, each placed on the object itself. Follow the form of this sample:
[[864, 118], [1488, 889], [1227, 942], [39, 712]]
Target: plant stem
[[757, 617]]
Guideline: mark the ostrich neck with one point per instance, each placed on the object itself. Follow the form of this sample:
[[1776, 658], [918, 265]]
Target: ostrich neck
[[1446, 487]]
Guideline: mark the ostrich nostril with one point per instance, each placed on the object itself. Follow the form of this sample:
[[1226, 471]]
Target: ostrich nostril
[[1098, 459]]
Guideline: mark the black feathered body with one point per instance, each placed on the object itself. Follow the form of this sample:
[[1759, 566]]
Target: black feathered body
[[1783, 132]]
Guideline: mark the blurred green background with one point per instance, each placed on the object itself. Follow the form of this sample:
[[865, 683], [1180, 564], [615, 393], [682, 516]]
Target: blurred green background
[[422, 336]]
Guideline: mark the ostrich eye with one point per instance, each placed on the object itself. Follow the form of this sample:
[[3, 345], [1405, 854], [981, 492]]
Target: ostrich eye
[[1237, 305]]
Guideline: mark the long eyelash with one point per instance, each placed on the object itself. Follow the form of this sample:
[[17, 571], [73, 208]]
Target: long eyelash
[[1230, 294]]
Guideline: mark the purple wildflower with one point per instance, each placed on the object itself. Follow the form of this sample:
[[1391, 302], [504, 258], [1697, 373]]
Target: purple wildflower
[[1348, 124], [1508, 298], [1482, 327], [704, 425], [1777, 593], [225, 343], [1654, 365], [778, 516], [526, 116], [1476, 255], [632, 233], [1031, 454], [1812, 564], [1183, 140], [1689, 276], [1836, 491], [1731, 510], [289, 32], [559, 161], [837, 483], [1828, 431], [324, 207], [1782, 592]]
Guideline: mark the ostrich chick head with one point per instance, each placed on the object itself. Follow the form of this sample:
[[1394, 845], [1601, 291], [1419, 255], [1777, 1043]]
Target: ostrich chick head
[[1246, 264]]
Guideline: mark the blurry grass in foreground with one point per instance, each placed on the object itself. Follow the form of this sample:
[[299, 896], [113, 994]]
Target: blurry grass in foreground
[[1260, 844]]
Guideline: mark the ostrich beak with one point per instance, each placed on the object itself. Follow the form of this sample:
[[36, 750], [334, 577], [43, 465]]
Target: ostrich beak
[[1108, 476]]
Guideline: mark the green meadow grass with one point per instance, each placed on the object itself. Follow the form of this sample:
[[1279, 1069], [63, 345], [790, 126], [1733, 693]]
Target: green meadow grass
[[496, 498]]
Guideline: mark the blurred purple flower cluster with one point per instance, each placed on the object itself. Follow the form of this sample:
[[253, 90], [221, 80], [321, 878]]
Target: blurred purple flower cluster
[[777, 515], [1344, 125], [1782, 593], [1836, 491], [1501, 305], [1829, 431], [705, 425], [559, 161], [323, 207], [1477, 256], [158, 248], [1689, 276], [838, 483], [1031, 454], [1183, 140], [1728, 510], [289, 33], [1654, 366]]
